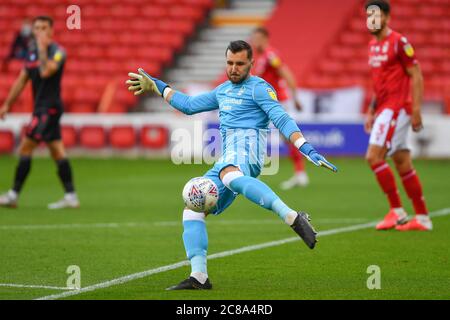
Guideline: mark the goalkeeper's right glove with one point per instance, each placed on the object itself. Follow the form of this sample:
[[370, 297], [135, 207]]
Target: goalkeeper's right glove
[[143, 82], [312, 155]]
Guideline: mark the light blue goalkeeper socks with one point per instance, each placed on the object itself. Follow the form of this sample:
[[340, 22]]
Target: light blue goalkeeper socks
[[195, 240], [259, 193]]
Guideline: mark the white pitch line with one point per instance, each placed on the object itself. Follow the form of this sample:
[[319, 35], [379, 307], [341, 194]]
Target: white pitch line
[[59, 226], [176, 223], [139, 275], [13, 285]]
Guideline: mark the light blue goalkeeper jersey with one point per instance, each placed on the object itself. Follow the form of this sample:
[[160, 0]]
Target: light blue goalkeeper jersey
[[245, 110], [247, 105]]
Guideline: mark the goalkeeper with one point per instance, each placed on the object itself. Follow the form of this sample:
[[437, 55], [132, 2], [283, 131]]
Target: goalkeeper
[[246, 104]]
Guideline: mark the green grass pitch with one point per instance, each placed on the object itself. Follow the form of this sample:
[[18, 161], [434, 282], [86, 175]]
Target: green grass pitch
[[130, 221]]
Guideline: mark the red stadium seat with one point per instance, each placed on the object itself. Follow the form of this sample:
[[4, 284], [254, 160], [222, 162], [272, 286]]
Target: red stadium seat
[[101, 45], [93, 137], [344, 60], [82, 108], [116, 108], [154, 137], [122, 137], [154, 11], [6, 141], [69, 136]]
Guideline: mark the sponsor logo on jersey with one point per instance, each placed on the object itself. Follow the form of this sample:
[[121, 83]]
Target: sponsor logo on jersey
[[232, 101], [376, 60]]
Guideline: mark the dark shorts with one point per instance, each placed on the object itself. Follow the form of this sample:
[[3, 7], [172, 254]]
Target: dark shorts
[[45, 126]]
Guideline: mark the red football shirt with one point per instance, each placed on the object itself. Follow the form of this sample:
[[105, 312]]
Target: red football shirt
[[266, 67], [388, 60]]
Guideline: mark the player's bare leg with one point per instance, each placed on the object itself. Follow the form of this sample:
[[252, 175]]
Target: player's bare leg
[[411, 183], [26, 149], [375, 157], [58, 154]]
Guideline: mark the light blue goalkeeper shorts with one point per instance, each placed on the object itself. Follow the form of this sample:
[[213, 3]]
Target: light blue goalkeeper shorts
[[243, 151]]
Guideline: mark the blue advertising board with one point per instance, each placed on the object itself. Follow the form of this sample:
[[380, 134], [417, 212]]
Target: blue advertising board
[[334, 139]]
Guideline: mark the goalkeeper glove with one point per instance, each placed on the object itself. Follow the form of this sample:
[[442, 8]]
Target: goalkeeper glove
[[143, 82], [312, 155]]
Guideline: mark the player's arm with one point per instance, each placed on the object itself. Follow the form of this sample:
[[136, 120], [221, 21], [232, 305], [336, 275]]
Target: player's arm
[[417, 95], [370, 116], [286, 73], [143, 82], [266, 98], [48, 65], [14, 92], [408, 59]]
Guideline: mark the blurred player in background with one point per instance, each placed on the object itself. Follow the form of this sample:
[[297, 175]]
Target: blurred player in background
[[44, 64], [270, 67], [19, 47], [394, 66], [247, 103]]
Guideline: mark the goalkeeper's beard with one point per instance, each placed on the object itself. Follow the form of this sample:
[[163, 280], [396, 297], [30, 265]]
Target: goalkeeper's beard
[[244, 76]]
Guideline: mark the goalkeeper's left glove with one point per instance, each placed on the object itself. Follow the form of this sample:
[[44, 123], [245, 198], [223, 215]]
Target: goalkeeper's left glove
[[143, 82], [312, 155]]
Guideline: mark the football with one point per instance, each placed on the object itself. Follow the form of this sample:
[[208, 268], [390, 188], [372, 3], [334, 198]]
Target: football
[[200, 194]]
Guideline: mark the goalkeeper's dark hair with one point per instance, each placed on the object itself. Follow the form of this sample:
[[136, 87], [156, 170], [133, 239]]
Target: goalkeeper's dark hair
[[44, 18], [384, 5], [238, 46]]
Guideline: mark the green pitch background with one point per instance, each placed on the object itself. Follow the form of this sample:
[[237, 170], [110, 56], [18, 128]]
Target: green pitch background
[[130, 221]]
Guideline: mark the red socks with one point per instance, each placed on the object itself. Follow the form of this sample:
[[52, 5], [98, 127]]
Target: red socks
[[297, 158], [386, 180], [411, 183], [413, 188]]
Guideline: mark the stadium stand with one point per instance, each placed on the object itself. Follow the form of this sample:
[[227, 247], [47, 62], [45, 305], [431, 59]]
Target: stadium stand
[[93, 137], [324, 48], [154, 137], [113, 38], [335, 54], [6, 141], [122, 137], [69, 136]]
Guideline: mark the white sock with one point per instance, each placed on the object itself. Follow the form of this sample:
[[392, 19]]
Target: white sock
[[13, 195], [290, 217], [400, 212], [423, 218], [301, 174], [200, 276], [71, 196]]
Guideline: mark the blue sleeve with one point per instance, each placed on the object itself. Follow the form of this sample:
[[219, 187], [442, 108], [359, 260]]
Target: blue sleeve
[[191, 105], [266, 98]]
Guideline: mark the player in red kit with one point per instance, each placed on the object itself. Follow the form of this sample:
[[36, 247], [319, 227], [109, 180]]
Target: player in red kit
[[393, 110], [270, 67]]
